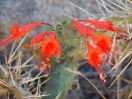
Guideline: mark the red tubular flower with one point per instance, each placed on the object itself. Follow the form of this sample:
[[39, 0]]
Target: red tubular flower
[[89, 30], [93, 56], [17, 32], [94, 59], [38, 38], [104, 42], [82, 29], [108, 25], [101, 24], [51, 46]]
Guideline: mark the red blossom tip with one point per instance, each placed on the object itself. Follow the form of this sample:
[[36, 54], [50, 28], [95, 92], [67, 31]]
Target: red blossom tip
[[38, 38], [80, 28]]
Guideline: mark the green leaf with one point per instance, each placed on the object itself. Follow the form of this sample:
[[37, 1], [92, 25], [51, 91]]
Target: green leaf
[[63, 21]]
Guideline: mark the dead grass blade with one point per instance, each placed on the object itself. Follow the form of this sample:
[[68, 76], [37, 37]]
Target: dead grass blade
[[121, 61], [120, 73], [79, 73], [120, 7]]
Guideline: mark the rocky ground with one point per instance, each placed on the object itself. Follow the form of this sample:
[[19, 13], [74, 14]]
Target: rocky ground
[[27, 11]]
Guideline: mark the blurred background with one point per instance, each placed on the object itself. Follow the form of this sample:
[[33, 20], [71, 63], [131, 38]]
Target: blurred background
[[52, 11], [27, 11]]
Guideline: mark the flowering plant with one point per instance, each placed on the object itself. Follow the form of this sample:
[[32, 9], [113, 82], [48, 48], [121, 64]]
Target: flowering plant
[[63, 41]]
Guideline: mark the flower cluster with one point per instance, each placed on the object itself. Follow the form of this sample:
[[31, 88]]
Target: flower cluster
[[49, 46], [101, 44]]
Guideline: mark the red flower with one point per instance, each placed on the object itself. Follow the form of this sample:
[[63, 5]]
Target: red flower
[[51, 46], [38, 38], [82, 29], [108, 25], [89, 30], [14, 30], [93, 56], [17, 32], [104, 43]]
